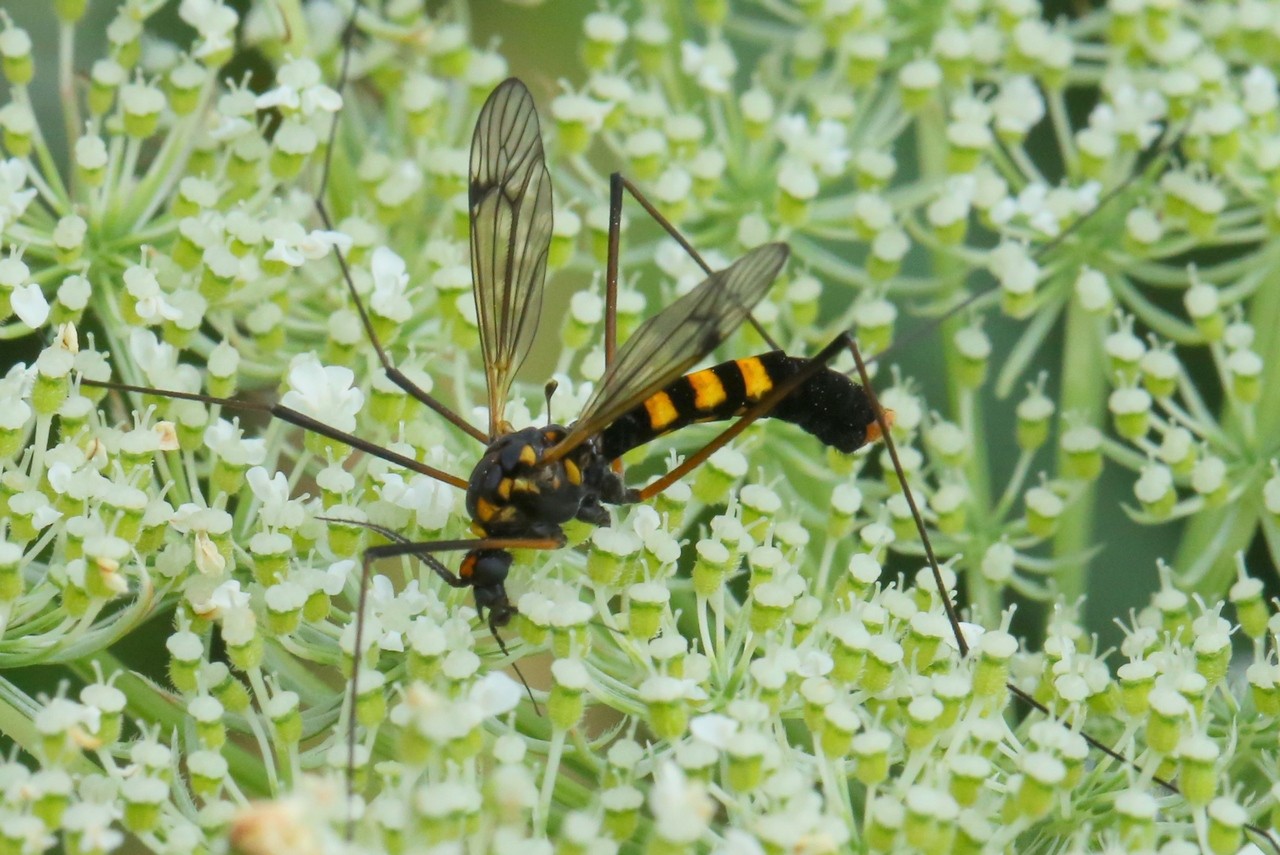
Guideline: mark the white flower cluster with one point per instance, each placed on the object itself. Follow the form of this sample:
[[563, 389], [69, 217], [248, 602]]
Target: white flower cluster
[[737, 666]]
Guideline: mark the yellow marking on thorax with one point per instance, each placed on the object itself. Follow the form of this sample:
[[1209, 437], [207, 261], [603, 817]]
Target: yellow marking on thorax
[[504, 489], [572, 472], [661, 411], [708, 391], [755, 378], [485, 510], [528, 456]]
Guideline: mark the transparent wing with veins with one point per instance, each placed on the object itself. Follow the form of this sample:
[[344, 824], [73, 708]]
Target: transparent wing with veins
[[671, 342], [510, 200]]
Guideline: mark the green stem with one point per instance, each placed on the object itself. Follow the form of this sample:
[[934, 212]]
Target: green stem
[[1084, 390]]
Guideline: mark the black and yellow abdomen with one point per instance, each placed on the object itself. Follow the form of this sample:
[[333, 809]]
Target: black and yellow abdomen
[[828, 404]]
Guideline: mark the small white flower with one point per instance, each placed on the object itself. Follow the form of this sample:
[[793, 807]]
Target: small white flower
[[63, 715], [324, 392], [580, 109], [824, 147], [43, 515], [227, 597], [159, 362], [295, 80], [317, 243], [227, 440], [273, 492], [430, 500], [14, 199], [215, 22], [390, 285], [712, 66], [495, 693], [714, 729], [681, 808], [29, 304], [209, 560]]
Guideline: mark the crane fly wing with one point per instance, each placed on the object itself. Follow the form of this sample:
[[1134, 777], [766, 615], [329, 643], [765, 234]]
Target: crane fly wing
[[510, 199], [671, 342]]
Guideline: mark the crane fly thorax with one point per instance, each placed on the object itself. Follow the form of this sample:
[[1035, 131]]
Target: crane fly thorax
[[514, 492]]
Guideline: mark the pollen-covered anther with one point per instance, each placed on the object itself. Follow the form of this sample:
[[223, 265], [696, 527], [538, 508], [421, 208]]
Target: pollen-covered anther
[[68, 339], [167, 433]]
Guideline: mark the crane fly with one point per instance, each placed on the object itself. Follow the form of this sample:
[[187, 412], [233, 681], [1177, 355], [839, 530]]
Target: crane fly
[[531, 481]]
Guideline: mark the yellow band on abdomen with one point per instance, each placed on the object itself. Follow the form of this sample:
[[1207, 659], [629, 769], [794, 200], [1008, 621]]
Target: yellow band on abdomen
[[755, 379], [661, 411]]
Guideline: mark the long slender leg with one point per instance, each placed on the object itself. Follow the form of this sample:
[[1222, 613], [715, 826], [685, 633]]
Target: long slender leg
[[424, 551], [617, 184], [293, 417], [670, 228], [611, 270], [949, 606], [394, 374]]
